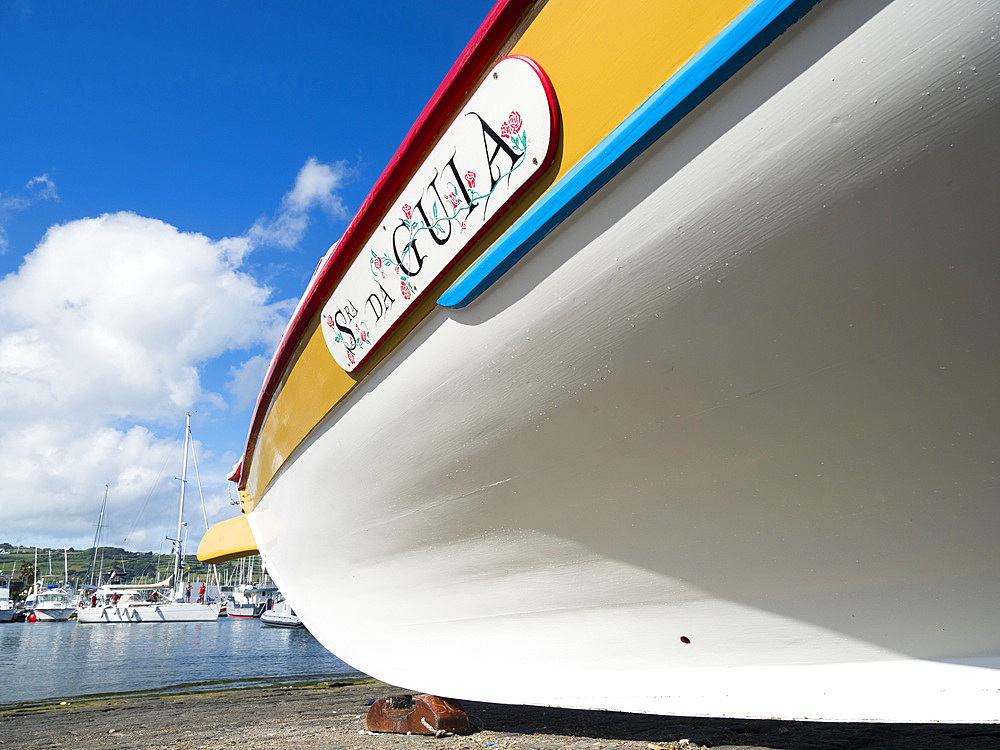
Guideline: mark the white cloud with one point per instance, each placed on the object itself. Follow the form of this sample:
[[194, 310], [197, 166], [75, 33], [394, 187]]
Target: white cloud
[[39, 188], [126, 300], [104, 325], [43, 187], [246, 378], [106, 330], [317, 185], [11, 203]]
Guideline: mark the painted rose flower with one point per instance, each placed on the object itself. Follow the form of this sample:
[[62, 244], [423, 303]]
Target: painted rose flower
[[407, 210], [378, 263], [470, 179], [452, 199], [515, 122], [505, 130], [364, 337], [350, 356], [329, 320], [404, 289]]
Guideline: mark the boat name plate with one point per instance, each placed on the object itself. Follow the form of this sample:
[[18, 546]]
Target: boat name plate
[[501, 141]]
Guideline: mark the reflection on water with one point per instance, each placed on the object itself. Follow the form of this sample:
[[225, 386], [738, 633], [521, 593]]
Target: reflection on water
[[48, 660]]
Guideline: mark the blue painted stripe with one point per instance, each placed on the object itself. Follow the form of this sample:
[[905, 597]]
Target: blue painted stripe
[[737, 44]]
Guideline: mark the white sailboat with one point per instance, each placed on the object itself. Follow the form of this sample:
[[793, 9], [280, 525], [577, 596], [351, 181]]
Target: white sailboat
[[97, 542], [164, 601]]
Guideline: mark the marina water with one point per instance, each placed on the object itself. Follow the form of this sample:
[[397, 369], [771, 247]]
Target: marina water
[[41, 662]]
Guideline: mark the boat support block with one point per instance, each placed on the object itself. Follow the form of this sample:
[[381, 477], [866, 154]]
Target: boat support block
[[416, 714]]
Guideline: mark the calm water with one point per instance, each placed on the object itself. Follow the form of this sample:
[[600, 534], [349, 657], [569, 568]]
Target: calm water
[[53, 660]]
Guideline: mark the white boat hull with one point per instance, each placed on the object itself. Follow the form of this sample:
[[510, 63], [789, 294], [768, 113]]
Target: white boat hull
[[53, 614], [725, 443], [244, 611], [132, 613]]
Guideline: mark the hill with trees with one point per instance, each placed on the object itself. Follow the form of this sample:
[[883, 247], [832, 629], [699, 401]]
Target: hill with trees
[[129, 567]]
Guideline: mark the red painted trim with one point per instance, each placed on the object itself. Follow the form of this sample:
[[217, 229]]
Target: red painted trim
[[554, 120], [447, 100]]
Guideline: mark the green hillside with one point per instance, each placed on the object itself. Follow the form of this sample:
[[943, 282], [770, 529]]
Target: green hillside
[[132, 567]]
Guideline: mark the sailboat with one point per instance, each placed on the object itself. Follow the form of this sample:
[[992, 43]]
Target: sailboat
[[164, 601]]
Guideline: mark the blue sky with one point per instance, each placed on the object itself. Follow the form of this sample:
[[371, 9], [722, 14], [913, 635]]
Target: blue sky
[[170, 175]]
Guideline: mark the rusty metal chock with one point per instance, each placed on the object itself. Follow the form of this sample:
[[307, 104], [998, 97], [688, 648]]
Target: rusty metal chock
[[417, 714]]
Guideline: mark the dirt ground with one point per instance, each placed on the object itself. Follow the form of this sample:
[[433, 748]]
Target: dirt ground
[[332, 716]]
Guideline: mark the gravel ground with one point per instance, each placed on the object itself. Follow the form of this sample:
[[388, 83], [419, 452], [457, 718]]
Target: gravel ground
[[332, 716]]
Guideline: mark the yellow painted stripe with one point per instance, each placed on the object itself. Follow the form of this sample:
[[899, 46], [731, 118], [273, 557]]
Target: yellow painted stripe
[[604, 60], [313, 384]]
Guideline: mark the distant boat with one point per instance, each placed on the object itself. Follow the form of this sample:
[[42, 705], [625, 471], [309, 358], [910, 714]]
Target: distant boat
[[8, 609], [52, 603], [658, 372], [131, 603], [249, 600], [281, 616]]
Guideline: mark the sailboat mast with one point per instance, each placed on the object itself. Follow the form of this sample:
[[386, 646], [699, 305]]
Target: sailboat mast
[[180, 512], [97, 540]]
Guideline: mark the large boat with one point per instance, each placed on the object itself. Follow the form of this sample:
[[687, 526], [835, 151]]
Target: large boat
[[658, 372]]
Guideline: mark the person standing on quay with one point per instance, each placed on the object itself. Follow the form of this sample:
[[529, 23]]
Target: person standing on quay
[[201, 594], [187, 593]]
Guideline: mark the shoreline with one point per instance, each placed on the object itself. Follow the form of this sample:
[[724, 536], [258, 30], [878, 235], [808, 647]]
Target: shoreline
[[191, 688], [331, 715]]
